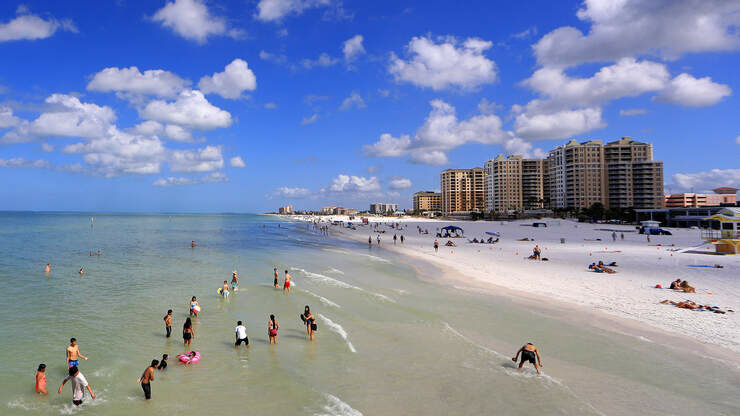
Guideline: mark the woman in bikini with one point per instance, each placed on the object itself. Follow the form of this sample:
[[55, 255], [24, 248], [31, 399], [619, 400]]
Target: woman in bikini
[[272, 329]]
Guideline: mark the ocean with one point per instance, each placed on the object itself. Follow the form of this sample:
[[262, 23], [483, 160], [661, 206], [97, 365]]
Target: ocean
[[392, 339]]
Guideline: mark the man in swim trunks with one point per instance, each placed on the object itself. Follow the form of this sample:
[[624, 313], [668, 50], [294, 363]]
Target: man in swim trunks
[[79, 383], [286, 286], [168, 322], [529, 353], [74, 354], [225, 289], [146, 378], [275, 281], [241, 335]]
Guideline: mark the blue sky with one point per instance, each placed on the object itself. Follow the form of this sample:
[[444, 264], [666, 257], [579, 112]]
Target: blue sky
[[243, 106]]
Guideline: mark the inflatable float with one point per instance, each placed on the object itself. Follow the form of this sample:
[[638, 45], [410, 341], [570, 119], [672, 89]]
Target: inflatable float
[[223, 293], [185, 358], [196, 308]]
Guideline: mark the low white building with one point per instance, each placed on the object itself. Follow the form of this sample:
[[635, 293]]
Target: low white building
[[382, 209]]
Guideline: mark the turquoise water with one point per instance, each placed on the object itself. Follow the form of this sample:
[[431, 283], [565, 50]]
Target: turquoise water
[[388, 341]]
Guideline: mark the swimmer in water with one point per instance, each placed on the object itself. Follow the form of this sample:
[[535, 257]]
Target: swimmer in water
[[163, 364], [41, 379], [272, 329], [286, 286], [79, 383], [193, 304], [82, 271], [192, 244], [146, 378], [47, 269], [529, 353], [310, 322], [275, 281], [187, 332], [74, 354]]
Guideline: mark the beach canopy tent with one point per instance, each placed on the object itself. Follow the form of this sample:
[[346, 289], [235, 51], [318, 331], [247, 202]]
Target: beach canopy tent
[[539, 224], [452, 228], [496, 233]]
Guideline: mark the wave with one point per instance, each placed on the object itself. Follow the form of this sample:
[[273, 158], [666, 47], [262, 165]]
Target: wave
[[370, 256], [336, 407], [334, 282], [333, 270], [323, 300], [339, 330]]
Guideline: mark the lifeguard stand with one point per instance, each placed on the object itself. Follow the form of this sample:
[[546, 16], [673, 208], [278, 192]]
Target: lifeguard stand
[[726, 239]]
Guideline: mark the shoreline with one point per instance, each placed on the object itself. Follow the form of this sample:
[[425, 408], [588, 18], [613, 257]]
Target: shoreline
[[573, 312]]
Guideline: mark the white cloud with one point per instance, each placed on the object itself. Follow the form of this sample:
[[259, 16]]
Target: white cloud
[[177, 133], [272, 57], [46, 147], [693, 92], [236, 78], [441, 132], [347, 183], [558, 125], [272, 10], [21, 163], [32, 27], [632, 112], [400, 183], [324, 60], [237, 162], [354, 100], [448, 64], [69, 117], [148, 128], [384, 93], [287, 192], [7, 119], [192, 20], [705, 181], [518, 146], [191, 109], [309, 120], [665, 28], [130, 80], [270, 106], [206, 159], [352, 48], [530, 31], [180, 181]]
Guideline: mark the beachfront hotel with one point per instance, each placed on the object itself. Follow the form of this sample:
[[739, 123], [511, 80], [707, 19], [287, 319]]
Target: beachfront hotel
[[427, 201], [379, 208], [721, 196], [463, 190]]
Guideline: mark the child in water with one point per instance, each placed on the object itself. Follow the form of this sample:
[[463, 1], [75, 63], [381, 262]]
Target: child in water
[[41, 379], [163, 363]]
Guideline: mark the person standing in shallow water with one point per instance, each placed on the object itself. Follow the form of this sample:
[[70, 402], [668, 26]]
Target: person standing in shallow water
[[74, 354], [168, 322], [272, 329], [187, 332], [286, 286], [41, 379], [275, 280], [529, 353], [146, 378], [79, 383], [310, 322]]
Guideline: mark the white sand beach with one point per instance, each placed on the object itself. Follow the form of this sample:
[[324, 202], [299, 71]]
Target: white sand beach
[[629, 293]]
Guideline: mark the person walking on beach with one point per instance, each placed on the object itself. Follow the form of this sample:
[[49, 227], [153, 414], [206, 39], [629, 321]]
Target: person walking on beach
[[74, 354], [436, 246], [146, 379], [41, 379], [537, 253], [614, 236], [401, 238], [369, 243], [395, 237], [275, 280], [79, 383], [529, 352], [272, 329], [621, 235], [286, 285], [168, 322], [310, 322], [241, 335], [187, 332], [378, 240]]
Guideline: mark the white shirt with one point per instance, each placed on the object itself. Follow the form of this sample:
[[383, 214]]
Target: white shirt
[[241, 331], [79, 383]]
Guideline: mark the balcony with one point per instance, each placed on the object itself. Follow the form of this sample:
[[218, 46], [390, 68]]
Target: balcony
[[710, 234]]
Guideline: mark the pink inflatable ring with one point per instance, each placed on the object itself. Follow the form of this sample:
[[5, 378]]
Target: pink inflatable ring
[[185, 358]]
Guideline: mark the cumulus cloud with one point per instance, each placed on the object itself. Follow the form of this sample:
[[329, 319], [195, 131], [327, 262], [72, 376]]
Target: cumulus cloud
[[324, 60], [192, 20], [558, 125], [352, 48], [664, 28], [354, 100], [273, 10], [27, 26], [130, 80], [441, 132], [693, 92], [444, 65], [400, 183], [309, 120], [206, 159], [705, 181], [272, 57], [237, 162], [236, 78], [191, 109], [7, 119], [287, 192], [21, 163], [632, 112], [347, 183], [180, 181]]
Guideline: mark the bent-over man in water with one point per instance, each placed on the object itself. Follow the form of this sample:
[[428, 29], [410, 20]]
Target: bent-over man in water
[[146, 378], [74, 354], [529, 353]]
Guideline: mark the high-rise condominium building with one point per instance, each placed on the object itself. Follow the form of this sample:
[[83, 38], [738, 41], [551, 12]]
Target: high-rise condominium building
[[533, 183], [503, 182], [379, 208], [427, 201], [576, 175], [634, 179], [463, 190]]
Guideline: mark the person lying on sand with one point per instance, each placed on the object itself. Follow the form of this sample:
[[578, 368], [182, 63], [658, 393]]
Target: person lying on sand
[[449, 243], [676, 284], [686, 287], [688, 304], [523, 239]]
